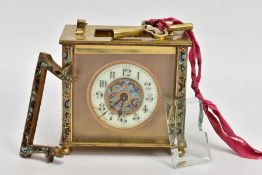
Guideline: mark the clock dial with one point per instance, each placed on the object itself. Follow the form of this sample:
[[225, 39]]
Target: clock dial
[[123, 95]]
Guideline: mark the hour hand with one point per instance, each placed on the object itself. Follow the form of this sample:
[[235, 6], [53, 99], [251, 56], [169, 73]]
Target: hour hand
[[111, 107], [123, 98], [120, 112]]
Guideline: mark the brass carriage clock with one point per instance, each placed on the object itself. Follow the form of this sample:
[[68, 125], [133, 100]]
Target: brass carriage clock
[[115, 82]]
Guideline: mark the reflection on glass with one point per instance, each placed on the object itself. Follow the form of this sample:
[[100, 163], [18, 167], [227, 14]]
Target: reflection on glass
[[195, 148]]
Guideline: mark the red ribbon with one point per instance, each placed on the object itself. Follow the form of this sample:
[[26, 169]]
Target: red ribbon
[[222, 128]]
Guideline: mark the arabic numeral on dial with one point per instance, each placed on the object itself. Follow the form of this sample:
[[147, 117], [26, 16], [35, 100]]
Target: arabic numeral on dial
[[99, 95], [145, 109], [149, 97], [102, 107], [147, 85], [127, 72], [136, 117], [110, 116], [102, 83], [122, 119], [112, 75]]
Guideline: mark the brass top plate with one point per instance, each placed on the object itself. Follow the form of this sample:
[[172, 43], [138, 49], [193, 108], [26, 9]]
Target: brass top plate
[[103, 37]]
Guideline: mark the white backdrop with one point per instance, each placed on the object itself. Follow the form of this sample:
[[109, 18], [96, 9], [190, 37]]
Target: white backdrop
[[229, 33]]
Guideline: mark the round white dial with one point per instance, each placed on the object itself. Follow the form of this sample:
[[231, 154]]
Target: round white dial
[[123, 95]]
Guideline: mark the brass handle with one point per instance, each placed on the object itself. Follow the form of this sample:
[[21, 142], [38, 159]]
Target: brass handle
[[45, 63]]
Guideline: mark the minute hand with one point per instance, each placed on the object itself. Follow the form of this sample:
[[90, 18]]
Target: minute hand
[[111, 107]]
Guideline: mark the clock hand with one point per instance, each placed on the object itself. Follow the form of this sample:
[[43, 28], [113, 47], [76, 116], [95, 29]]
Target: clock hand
[[111, 107], [123, 98], [121, 109]]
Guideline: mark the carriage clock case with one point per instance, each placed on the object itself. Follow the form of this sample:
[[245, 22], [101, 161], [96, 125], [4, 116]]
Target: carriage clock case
[[113, 90]]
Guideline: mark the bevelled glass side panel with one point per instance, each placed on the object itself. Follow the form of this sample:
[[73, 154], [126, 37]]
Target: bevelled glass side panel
[[195, 148]]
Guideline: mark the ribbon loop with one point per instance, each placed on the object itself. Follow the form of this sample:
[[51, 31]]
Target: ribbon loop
[[221, 127]]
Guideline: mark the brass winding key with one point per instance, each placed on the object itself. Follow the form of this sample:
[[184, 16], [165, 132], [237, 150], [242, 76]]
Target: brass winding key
[[148, 30]]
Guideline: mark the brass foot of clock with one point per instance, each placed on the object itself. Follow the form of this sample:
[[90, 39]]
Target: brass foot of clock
[[67, 150]]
